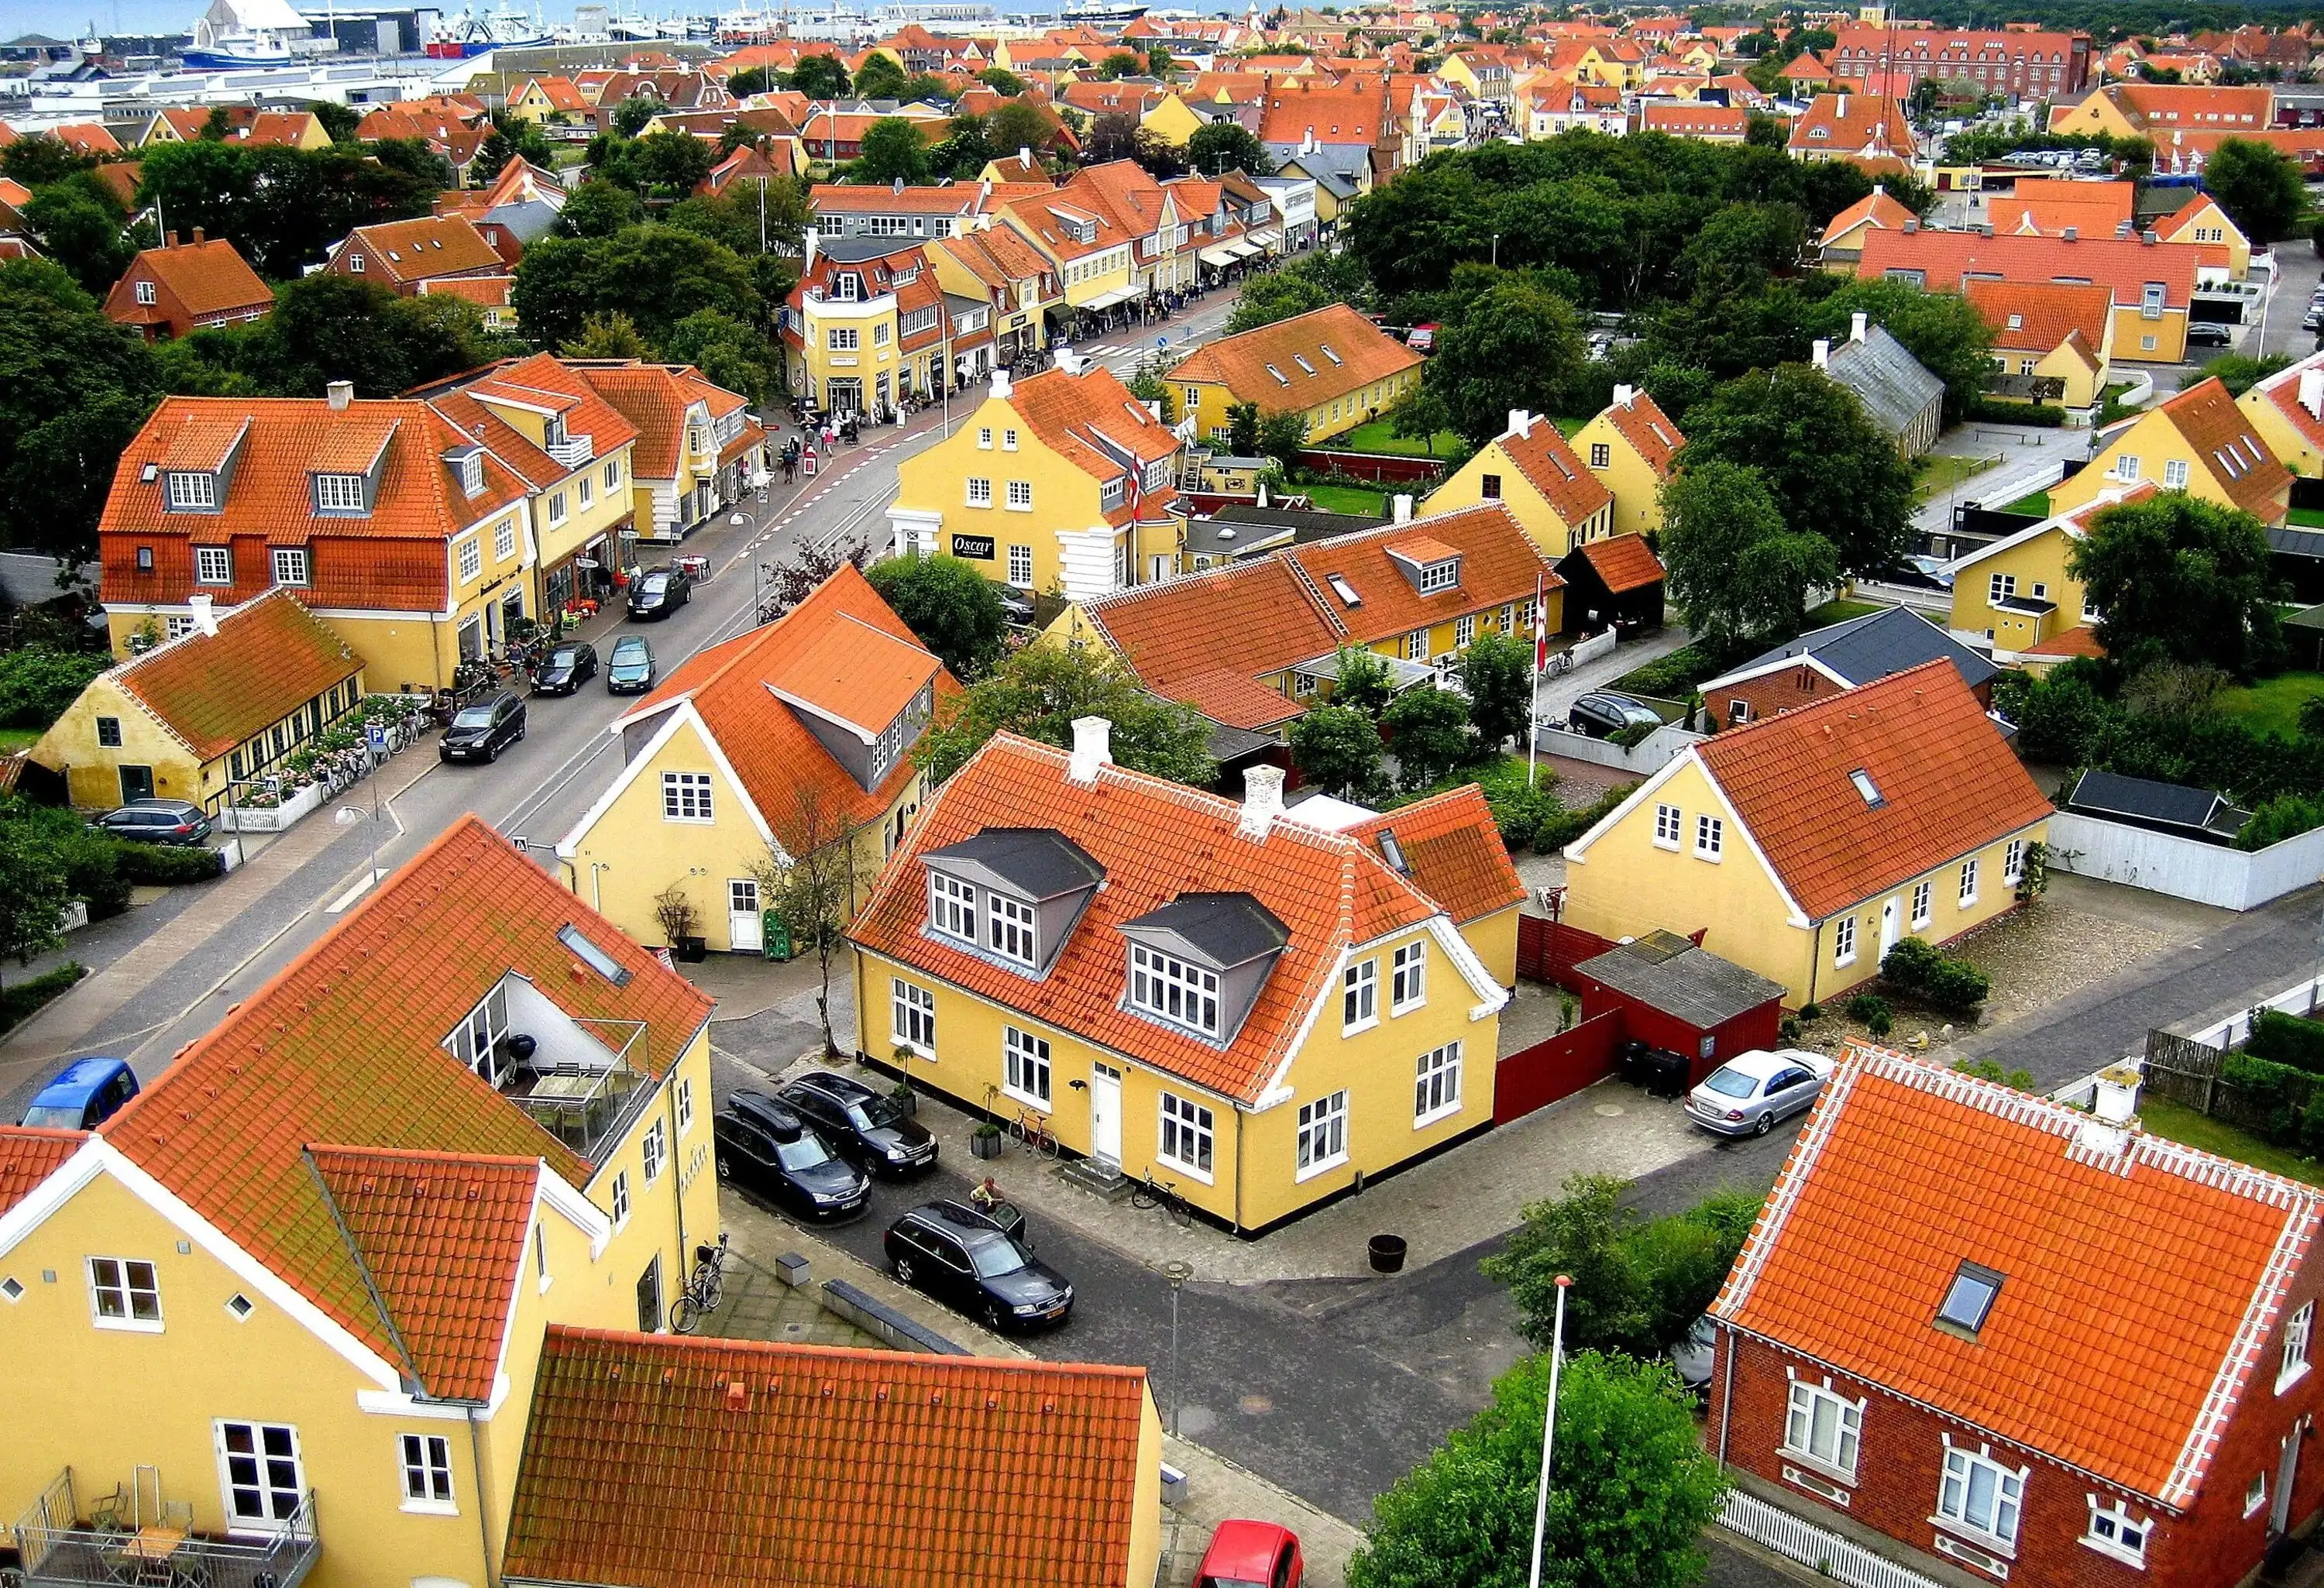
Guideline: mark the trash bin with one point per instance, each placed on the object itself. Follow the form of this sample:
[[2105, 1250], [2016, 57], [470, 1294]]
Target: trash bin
[[774, 935], [1387, 1254]]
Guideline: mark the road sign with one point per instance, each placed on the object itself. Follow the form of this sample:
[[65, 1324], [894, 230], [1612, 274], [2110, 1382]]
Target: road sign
[[378, 736]]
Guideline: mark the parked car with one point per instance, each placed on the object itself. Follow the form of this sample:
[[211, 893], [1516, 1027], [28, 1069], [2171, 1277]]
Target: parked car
[[659, 592], [1752, 1092], [1421, 339], [1603, 715], [84, 1095], [1017, 609], [568, 667], [867, 1126], [630, 666], [768, 1147], [1693, 1354], [962, 1259], [157, 821], [2205, 333], [481, 731], [1251, 1554]]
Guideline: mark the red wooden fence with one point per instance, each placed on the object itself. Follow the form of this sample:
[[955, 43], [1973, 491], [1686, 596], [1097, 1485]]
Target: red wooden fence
[[1547, 950], [1540, 1075], [1382, 468]]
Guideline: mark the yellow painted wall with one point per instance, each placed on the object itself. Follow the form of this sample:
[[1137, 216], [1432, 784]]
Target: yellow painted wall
[[1493, 939], [2156, 442], [92, 771], [1540, 520], [1637, 489], [2206, 218], [1066, 499], [1172, 122], [2095, 114], [2288, 445], [2132, 330], [2039, 562], [1209, 400]]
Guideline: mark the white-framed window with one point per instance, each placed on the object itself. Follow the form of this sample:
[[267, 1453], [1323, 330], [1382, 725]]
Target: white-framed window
[[1669, 826], [472, 559], [1969, 882], [2013, 864], [260, 1474], [427, 1460], [952, 907], [1980, 1495], [1173, 989], [1710, 837], [980, 493], [1464, 629], [1439, 576], [844, 339], [657, 1151], [1436, 1085], [1408, 981], [588, 493], [1021, 495], [914, 1011], [472, 474], [1020, 567], [354, 265], [879, 335], [1322, 1137], [1186, 1136], [1824, 1429], [556, 512], [2126, 465], [2297, 1328], [1923, 905], [1999, 589], [2115, 1531], [2174, 473], [1026, 1068], [192, 488], [289, 565], [1009, 927], [984, 437], [1843, 940], [2255, 1495], [1360, 995], [613, 474], [1008, 441], [1416, 645], [124, 1293], [146, 293], [686, 797], [340, 493], [505, 533], [684, 1100], [213, 565], [620, 1198]]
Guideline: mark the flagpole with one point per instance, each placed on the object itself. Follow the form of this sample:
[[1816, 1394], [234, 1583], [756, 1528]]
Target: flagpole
[[1548, 1432], [1533, 715]]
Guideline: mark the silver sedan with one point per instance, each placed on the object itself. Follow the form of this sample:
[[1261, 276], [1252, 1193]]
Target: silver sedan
[[1752, 1092]]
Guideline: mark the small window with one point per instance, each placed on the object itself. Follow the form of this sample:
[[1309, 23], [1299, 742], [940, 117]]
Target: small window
[[595, 959], [504, 534], [613, 474], [1602, 455], [2013, 863], [1867, 787], [356, 263], [338, 492], [1971, 1298], [1187, 1135], [472, 474], [1008, 928], [124, 1293], [657, 1151], [1843, 941], [620, 1198], [1669, 826], [1323, 1138], [289, 565], [1982, 1495], [2115, 1531], [1924, 910], [2174, 473], [686, 797], [1008, 441], [1999, 589], [108, 732], [426, 1472], [1968, 884], [472, 559], [194, 491], [146, 293], [1409, 977], [144, 559], [1173, 989], [1710, 837], [913, 1010], [1360, 995], [980, 493], [1823, 1428], [1439, 576], [1436, 1087], [1020, 567], [1488, 486], [1026, 1061], [842, 339], [684, 1100], [2297, 1329], [984, 437], [1021, 495], [952, 907]]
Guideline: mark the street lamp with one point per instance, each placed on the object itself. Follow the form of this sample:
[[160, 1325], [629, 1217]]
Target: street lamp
[[1548, 1431], [1177, 1271]]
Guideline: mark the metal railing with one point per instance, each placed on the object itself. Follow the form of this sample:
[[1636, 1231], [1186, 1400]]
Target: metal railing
[[59, 1547], [574, 451], [582, 1104], [1817, 1548]]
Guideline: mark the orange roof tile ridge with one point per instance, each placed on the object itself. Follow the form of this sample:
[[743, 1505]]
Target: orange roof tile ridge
[[2234, 1370], [889, 1361], [393, 1336]]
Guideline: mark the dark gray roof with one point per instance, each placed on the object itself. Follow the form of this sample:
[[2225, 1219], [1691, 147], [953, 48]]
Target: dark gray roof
[[1226, 930], [1248, 525], [856, 250], [2040, 605], [1692, 984], [2173, 805], [1039, 861], [2297, 542], [1227, 744], [1876, 645], [1891, 384], [2306, 617]]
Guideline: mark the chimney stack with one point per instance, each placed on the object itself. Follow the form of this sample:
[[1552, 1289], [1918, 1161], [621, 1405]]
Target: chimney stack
[[197, 235], [1000, 385], [1822, 355], [1025, 153], [2311, 392], [2114, 1103], [1623, 394], [1262, 801], [1520, 423], [1093, 748], [1401, 508], [205, 612], [340, 393], [173, 241], [1859, 325], [2071, 234]]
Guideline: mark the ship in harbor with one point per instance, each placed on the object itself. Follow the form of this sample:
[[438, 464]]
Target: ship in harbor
[[469, 34], [236, 33]]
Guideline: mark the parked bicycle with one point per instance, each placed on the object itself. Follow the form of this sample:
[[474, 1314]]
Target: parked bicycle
[[1164, 1194], [705, 1288], [1031, 1131]]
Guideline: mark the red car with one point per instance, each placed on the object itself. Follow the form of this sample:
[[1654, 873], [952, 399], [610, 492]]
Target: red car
[[1251, 1554]]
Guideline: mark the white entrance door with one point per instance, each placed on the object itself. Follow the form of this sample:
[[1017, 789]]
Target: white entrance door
[[2287, 1471], [1892, 916], [259, 1476], [1105, 1115], [745, 926]]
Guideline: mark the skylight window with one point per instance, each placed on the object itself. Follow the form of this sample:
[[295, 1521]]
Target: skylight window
[[1344, 590], [1392, 851], [1867, 787], [595, 958], [1281, 378], [1301, 360], [1335, 358], [1971, 1297]]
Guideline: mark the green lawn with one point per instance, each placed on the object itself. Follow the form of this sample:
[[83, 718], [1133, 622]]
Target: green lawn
[[2305, 518], [1838, 611], [12, 740], [2175, 1122], [1347, 499], [1378, 437], [2272, 706], [1937, 476], [2038, 505]]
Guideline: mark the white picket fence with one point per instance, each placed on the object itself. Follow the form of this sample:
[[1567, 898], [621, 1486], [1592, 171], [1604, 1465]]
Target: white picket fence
[[1797, 1538]]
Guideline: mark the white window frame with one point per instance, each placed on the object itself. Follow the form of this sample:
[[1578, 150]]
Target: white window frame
[[291, 565], [340, 493], [589, 495], [613, 473], [1185, 1136], [471, 550], [2013, 863], [1020, 567], [1816, 1415], [686, 798], [1359, 996], [1321, 1140], [426, 1460], [2174, 473], [1174, 991], [840, 339], [655, 1151], [1436, 1085], [952, 907], [2299, 1330], [912, 1016], [2000, 588], [261, 1524], [1010, 930], [1409, 977], [214, 565], [146, 294], [191, 490], [505, 533], [2127, 466], [1924, 908], [984, 437], [1465, 630], [1955, 1479], [1843, 941], [117, 1280], [1439, 576], [2256, 1494], [1710, 837], [1008, 440], [620, 1198], [684, 1101], [980, 492], [2109, 1523], [1026, 1074], [1968, 873], [1670, 826], [1021, 495]]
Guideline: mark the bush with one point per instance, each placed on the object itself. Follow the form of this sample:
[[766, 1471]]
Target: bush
[[1810, 1012], [37, 683], [2287, 816], [2043, 417], [1636, 735], [1953, 986], [1986, 1069], [2278, 1094], [165, 866], [24, 1000], [2286, 1039], [1518, 810], [1675, 675], [1872, 1010], [1557, 831]]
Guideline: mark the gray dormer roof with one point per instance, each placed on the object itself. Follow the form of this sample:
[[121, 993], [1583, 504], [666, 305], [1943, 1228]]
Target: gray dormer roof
[[1032, 862], [1221, 930], [1891, 384], [1871, 647]]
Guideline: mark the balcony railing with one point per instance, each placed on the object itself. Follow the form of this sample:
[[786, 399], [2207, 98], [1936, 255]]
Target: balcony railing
[[582, 1105], [573, 452], [57, 1545]]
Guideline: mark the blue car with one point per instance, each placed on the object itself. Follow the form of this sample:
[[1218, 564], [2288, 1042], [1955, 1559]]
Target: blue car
[[85, 1093]]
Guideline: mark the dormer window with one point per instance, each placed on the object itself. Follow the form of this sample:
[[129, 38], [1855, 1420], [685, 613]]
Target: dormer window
[[952, 907], [1173, 989], [476, 1043], [1110, 494], [339, 494], [1008, 928], [847, 288], [1439, 576], [193, 491]]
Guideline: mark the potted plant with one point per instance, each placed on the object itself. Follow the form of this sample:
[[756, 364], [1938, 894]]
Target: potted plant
[[984, 1141], [906, 1098], [677, 915]]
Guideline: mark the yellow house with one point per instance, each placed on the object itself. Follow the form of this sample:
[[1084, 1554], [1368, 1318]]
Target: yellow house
[[1529, 469], [1169, 119], [2287, 410], [1629, 448], [1808, 844], [2016, 596], [2046, 332], [2200, 220], [1058, 483], [336, 1339], [1331, 366], [546, 99], [1018, 281], [1173, 983], [792, 739], [230, 699], [697, 449], [2198, 441]]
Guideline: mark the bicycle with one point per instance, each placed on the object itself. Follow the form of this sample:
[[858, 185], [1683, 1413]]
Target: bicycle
[[705, 1288], [1031, 1131], [1150, 1192]]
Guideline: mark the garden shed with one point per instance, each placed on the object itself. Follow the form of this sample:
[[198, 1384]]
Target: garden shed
[[1673, 993]]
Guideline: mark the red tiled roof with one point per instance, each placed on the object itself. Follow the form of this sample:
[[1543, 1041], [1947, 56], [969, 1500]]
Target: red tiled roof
[[1455, 850], [2094, 209], [208, 277], [2124, 1357], [1067, 411], [1157, 841], [828, 1466], [344, 1048], [475, 407], [269, 658], [1696, 121], [28, 1156], [1553, 468], [429, 246], [1876, 207], [1623, 562], [87, 137], [1854, 124], [654, 400], [1947, 781], [2162, 107], [2080, 640], [1648, 429], [441, 1238], [1241, 362], [2281, 391], [2224, 440], [2035, 317], [2122, 264]]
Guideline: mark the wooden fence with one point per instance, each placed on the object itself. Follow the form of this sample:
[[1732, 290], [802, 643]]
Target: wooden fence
[[1536, 1077], [1547, 950], [2188, 1072]]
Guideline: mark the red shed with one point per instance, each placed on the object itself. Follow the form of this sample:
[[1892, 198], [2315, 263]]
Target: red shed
[[1675, 995]]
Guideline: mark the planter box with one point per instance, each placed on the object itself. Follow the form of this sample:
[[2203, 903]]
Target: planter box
[[270, 819], [985, 1145]]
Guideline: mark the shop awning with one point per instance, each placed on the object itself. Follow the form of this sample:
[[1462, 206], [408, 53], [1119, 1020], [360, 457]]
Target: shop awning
[[1243, 247], [1219, 257], [1109, 300], [1266, 238]]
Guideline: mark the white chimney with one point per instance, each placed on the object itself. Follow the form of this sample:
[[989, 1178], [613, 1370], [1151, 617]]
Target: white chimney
[[2115, 1094], [1262, 801], [1262, 492], [2311, 392], [1001, 387], [340, 393], [1822, 355], [1401, 508], [1520, 423], [1858, 327], [204, 614], [1623, 395], [1023, 154], [1093, 748]]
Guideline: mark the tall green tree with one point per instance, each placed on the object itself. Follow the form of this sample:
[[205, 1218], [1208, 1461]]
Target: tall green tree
[[1278, 295], [731, 353], [1039, 690], [2261, 189], [512, 138], [82, 226], [879, 78], [631, 115], [38, 158], [2181, 579], [657, 275], [1019, 125], [1002, 81], [1737, 571], [333, 328], [1428, 730], [1335, 747], [1121, 63], [820, 77], [892, 151], [74, 388], [33, 892], [954, 609], [1517, 346], [1497, 673], [672, 163], [598, 209], [1217, 147]]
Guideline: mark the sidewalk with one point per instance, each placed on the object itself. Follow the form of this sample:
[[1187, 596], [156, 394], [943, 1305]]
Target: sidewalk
[[1561, 690]]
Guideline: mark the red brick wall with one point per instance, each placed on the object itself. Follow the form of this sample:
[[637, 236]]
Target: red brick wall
[[1768, 694]]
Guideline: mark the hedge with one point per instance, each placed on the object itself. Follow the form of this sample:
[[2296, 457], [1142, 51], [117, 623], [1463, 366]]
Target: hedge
[[23, 999], [2286, 1039], [1989, 411], [1953, 986], [167, 864], [1564, 828]]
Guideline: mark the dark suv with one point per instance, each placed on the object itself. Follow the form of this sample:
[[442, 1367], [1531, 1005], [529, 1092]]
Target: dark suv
[[869, 1127], [1603, 715], [157, 821], [769, 1147], [966, 1261], [481, 731], [659, 592]]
